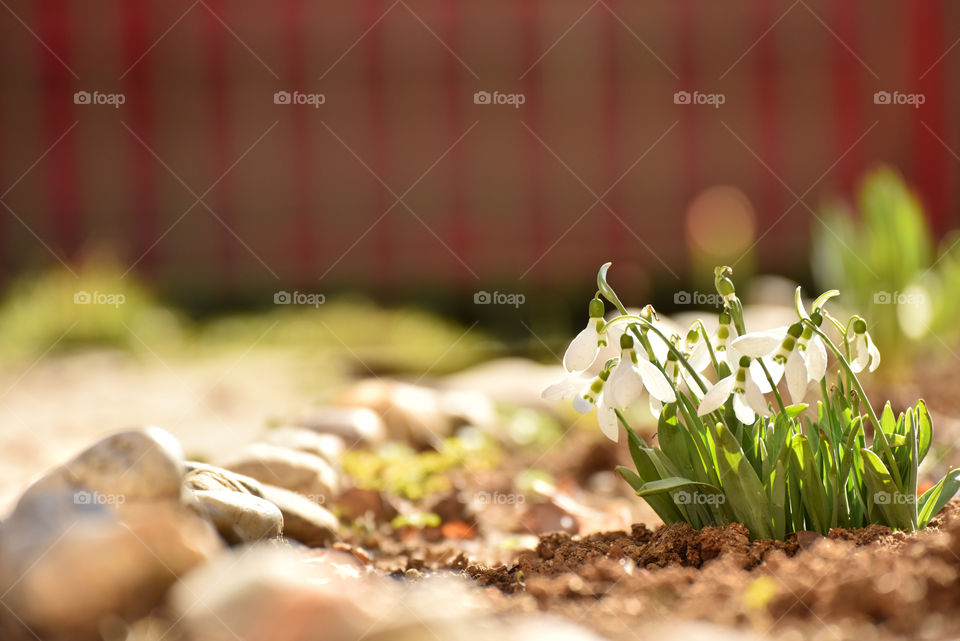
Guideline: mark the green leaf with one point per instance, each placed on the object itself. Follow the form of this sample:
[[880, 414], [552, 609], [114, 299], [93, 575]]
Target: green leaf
[[795, 410], [662, 505], [812, 492], [744, 492], [674, 483], [924, 430], [883, 495], [937, 496]]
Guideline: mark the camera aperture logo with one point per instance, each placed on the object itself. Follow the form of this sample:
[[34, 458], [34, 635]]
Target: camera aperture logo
[[299, 98], [899, 98], [498, 298], [699, 98], [895, 498], [298, 298], [84, 497], [702, 299], [683, 497], [84, 297], [99, 98], [498, 98], [899, 298], [499, 498]]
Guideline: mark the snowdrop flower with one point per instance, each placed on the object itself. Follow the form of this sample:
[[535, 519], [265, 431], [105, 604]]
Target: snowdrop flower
[[748, 399], [588, 393], [806, 363], [862, 348], [583, 349], [634, 373], [725, 334]]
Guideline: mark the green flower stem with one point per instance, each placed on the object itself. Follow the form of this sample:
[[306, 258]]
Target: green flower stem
[[878, 429], [713, 357]]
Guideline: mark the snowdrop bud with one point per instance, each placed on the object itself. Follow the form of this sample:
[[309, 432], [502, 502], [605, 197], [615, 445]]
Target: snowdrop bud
[[723, 283], [817, 318], [795, 330], [744, 361], [860, 326], [596, 308], [626, 341]]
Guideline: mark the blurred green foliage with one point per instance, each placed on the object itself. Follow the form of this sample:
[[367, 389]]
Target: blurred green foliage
[[884, 261], [45, 313], [398, 469]]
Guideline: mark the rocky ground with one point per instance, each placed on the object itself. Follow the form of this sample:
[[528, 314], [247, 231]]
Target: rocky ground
[[382, 509]]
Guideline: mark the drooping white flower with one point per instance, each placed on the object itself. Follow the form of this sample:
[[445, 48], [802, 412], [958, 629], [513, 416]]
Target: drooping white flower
[[806, 363], [588, 393], [863, 351], [726, 333], [748, 400], [633, 374]]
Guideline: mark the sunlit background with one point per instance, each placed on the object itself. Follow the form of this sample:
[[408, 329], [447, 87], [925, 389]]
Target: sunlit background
[[410, 188]]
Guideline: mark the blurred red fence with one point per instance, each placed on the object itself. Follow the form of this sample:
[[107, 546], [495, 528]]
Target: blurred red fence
[[178, 155]]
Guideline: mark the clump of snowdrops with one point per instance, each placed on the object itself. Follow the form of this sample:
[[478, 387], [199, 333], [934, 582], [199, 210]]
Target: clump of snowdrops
[[737, 437]]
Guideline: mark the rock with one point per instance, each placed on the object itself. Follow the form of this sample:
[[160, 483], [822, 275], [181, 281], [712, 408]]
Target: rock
[[356, 503], [137, 465], [240, 517], [69, 566], [268, 593], [411, 413], [516, 381], [328, 446], [303, 520], [543, 518], [300, 472], [201, 476], [355, 425]]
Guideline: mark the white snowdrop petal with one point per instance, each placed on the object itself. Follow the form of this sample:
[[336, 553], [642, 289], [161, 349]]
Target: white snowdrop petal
[[873, 353], [608, 420], [757, 344], [562, 389], [700, 357], [717, 395], [796, 377], [655, 407], [581, 404], [760, 377], [624, 386], [582, 350], [816, 359], [860, 354], [656, 383], [744, 413], [756, 401]]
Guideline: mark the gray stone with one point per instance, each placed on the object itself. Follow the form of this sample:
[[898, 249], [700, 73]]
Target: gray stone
[[201, 476], [303, 519], [355, 425], [328, 446], [144, 464], [297, 471], [240, 517], [70, 565]]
